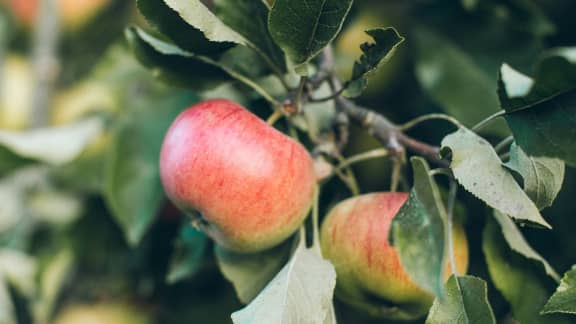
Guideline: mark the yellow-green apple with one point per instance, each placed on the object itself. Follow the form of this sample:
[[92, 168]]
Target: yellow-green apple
[[251, 184], [354, 237], [102, 313], [16, 85]]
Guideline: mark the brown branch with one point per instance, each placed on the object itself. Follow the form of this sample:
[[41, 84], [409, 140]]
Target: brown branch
[[387, 132]]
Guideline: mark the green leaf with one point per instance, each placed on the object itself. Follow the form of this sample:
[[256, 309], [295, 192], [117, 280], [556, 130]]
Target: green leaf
[[169, 23], [199, 72], [540, 111], [524, 286], [518, 244], [255, 30], [385, 42], [542, 176], [10, 161], [455, 80], [250, 273], [555, 74], [226, 22], [189, 253], [133, 189], [302, 28], [172, 64], [56, 145], [466, 301], [479, 170], [417, 231], [300, 293], [196, 14], [564, 299], [547, 131]]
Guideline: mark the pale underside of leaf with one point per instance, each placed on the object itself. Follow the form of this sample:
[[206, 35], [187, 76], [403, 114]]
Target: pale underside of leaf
[[543, 176], [479, 170], [300, 293], [57, 146], [517, 242], [195, 13], [171, 49]]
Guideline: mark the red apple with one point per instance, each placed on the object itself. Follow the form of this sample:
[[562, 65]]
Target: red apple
[[252, 184], [354, 237]]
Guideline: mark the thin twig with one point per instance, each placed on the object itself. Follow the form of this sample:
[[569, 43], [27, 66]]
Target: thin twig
[[349, 180], [418, 120], [325, 67], [330, 97], [487, 120], [300, 92], [372, 154]]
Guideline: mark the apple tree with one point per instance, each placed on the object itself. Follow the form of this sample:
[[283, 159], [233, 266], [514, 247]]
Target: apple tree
[[288, 161]]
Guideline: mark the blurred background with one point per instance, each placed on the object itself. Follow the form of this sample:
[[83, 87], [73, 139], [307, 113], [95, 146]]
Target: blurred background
[[86, 234]]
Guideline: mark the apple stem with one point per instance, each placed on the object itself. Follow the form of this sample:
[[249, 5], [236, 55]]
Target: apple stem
[[274, 117], [395, 176], [449, 235], [368, 155], [315, 221]]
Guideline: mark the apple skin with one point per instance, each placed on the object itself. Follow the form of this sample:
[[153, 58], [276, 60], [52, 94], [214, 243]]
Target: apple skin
[[252, 184], [102, 313], [16, 87], [354, 237]]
